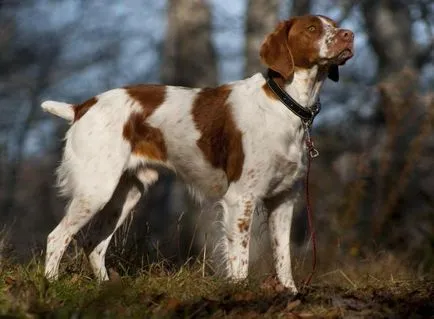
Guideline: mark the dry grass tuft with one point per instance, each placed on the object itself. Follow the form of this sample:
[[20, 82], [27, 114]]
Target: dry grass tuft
[[380, 286]]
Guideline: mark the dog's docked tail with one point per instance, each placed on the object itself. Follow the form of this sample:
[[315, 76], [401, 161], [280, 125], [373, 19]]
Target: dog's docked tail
[[61, 109]]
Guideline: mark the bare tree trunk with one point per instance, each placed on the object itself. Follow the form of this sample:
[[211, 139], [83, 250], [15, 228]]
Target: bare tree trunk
[[389, 27], [392, 44], [189, 57], [388, 24], [262, 16], [21, 134], [300, 7]]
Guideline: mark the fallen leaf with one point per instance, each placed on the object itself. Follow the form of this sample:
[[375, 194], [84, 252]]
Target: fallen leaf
[[114, 275], [9, 280], [270, 283], [244, 296], [292, 305], [334, 313], [308, 315], [172, 303]]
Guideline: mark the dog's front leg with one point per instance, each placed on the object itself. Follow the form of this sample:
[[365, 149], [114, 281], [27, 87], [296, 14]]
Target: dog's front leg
[[238, 213], [280, 218]]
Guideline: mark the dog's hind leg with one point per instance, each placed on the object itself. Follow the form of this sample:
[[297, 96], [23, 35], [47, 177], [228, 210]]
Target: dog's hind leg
[[125, 198], [79, 212], [89, 196]]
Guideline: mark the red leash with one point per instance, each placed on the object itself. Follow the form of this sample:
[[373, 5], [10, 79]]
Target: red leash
[[312, 152]]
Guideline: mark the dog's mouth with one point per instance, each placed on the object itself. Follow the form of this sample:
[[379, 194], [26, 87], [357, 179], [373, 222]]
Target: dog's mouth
[[344, 56]]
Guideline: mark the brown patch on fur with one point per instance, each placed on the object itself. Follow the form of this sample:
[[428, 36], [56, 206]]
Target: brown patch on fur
[[244, 243], [81, 109], [294, 43], [243, 225], [304, 44], [144, 139], [248, 208], [150, 97], [221, 140], [275, 52]]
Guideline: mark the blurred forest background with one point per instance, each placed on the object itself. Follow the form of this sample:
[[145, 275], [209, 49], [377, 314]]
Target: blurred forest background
[[372, 186]]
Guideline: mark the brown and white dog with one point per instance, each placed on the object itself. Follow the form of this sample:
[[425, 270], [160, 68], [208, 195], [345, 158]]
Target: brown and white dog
[[236, 144]]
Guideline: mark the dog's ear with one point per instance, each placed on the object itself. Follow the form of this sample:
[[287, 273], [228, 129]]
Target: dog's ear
[[275, 53], [334, 72]]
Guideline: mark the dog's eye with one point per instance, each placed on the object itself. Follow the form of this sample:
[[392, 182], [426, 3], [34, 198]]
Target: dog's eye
[[311, 28]]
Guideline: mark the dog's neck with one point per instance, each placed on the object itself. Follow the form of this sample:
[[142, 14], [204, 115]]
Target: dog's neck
[[305, 85]]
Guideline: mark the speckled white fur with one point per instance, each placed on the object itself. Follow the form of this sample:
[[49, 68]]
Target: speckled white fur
[[329, 36], [96, 155], [96, 159]]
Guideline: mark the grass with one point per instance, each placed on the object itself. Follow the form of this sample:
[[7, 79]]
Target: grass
[[377, 288]]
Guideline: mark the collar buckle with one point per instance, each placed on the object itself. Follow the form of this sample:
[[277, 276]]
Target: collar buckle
[[314, 110], [310, 146]]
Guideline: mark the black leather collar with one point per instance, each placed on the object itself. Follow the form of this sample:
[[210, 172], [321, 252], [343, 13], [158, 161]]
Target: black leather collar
[[307, 115]]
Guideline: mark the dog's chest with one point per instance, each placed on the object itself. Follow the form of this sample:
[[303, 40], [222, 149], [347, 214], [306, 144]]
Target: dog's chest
[[276, 162], [285, 169]]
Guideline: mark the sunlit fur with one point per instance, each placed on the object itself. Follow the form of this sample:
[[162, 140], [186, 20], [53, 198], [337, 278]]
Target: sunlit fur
[[100, 171]]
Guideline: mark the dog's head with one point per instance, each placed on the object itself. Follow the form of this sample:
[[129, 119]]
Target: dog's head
[[305, 41]]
